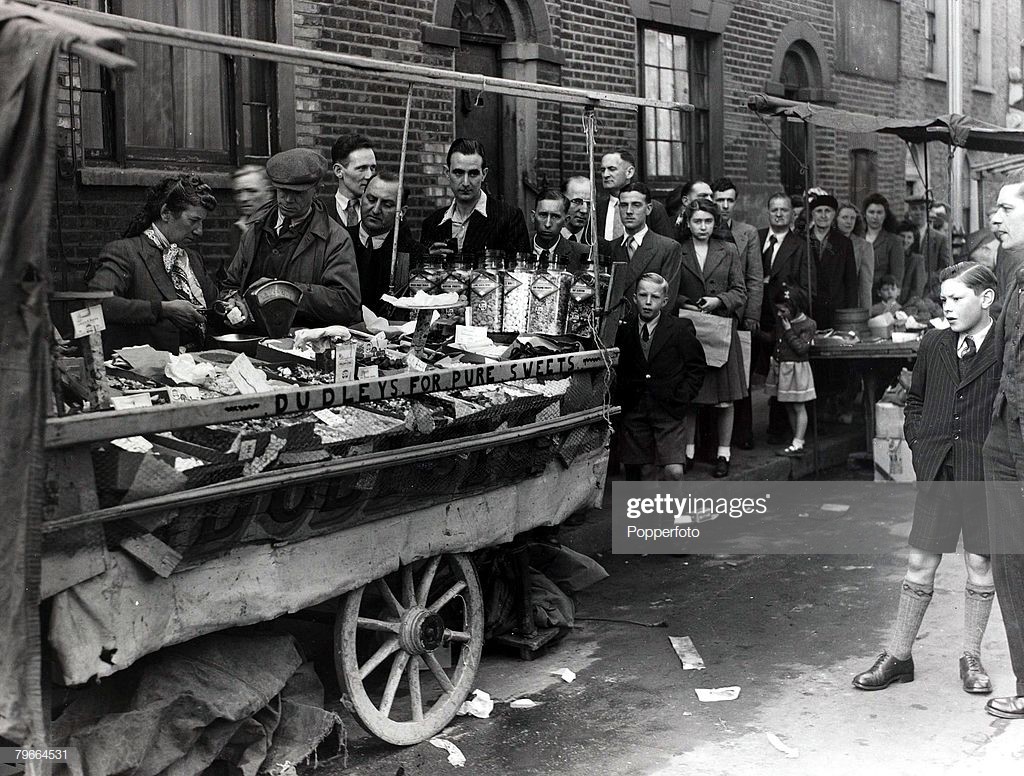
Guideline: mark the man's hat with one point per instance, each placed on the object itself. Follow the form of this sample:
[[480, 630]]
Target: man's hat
[[916, 198], [824, 200], [297, 169]]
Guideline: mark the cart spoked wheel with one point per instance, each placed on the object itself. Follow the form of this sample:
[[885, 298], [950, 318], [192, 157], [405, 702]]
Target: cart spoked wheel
[[394, 639]]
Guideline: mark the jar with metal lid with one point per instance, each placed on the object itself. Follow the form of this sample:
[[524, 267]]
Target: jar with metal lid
[[426, 276], [516, 281], [487, 291], [549, 297], [581, 300]]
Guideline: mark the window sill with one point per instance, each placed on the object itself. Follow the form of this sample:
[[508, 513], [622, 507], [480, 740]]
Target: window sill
[[135, 176], [983, 89], [935, 77]]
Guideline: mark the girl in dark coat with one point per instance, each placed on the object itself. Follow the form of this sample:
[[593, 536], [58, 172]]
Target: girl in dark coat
[[711, 281]]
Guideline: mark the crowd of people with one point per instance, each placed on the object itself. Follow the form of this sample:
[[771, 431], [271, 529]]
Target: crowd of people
[[691, 278], [776, 283]]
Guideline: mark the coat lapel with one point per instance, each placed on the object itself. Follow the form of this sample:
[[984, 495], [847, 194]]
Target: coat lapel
[[690, 261], [985, 358], [642, 258], [716, 253], [317, 229], [154, 261], [947, 354], [659, 338], [783, 257]]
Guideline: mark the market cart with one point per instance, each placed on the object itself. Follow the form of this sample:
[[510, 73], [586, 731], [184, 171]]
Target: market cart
[[144, 527], [170, 522]]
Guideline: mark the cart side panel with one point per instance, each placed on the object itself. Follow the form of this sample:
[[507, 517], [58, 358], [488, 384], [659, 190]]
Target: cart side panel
[[108, 622]]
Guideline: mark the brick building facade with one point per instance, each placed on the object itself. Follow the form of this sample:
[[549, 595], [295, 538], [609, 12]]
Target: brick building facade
[[878, 56]]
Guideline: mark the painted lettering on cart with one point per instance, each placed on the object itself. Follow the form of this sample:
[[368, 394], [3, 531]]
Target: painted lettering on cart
[[411, 384]]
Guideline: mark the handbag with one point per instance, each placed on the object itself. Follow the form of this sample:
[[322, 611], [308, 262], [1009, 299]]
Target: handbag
[[714, 333]]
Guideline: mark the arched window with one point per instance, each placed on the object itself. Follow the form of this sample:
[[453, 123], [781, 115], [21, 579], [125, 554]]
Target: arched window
[[795, 81]]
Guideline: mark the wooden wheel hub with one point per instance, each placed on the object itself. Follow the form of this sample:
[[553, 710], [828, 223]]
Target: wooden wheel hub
[[421, 631]]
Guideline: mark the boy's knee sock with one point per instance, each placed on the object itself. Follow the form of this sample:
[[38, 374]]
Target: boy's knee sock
[[914, 600], [977, 607]]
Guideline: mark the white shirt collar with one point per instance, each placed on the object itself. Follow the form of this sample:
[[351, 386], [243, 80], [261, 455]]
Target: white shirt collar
[[639, 236], [978, 338], [481, 207], [378, 240], [343, 200], [649, 324], [551, 251], [608, 228]]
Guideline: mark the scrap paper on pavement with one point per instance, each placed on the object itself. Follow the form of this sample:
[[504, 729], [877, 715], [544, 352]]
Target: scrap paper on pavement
[[714, 694], [687, 653]]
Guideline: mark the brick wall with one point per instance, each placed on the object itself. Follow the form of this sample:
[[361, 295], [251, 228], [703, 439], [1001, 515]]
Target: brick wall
[[598, 41]]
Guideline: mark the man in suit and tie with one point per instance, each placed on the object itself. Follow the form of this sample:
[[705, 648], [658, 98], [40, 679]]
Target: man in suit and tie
[[580, 196], [474, 220], [354, 164], [641, 250], [618, 168], [374, 239], [660, 370], [783, 263], [1004, 449], [933, 245], [548, 243]]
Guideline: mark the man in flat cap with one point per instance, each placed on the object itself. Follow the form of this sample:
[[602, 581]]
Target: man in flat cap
[[294, 239]]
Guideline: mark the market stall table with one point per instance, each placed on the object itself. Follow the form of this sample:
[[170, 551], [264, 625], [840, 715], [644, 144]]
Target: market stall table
[[869, 360]]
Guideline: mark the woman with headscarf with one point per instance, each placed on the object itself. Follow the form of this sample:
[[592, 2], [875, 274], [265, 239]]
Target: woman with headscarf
[[162, 291]]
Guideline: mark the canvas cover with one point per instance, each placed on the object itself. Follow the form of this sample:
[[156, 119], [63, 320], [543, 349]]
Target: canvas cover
[[963, 131]]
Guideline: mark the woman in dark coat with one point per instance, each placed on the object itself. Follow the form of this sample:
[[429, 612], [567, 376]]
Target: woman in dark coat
[[162, 291], [711, 281], [833, 267]]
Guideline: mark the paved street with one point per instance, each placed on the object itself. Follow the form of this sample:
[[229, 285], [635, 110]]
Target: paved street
[[790, 631]]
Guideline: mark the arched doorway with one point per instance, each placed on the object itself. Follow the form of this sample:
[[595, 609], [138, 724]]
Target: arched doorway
[[796, 81], [484, 27]]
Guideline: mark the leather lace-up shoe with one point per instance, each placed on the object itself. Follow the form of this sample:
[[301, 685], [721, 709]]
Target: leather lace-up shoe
[[884, 672], [973, 674], [1006, 708], [721, 467]]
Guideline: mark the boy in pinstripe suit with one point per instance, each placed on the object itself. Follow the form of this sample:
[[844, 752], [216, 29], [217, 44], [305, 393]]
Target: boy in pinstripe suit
[[948, 415]]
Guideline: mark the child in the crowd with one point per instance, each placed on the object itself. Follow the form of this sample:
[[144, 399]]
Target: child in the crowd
[[914, 276], [889, 294], [948, 415], [789, 377]]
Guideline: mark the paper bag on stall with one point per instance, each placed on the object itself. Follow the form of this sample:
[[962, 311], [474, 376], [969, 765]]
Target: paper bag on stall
[[714, 333]]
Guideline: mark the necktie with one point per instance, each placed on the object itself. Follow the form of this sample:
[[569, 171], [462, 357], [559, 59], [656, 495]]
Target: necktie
[[645, 335], [630, 246], [969, 352], [768, 257], [351, 214], [545, 254], [617, 228]]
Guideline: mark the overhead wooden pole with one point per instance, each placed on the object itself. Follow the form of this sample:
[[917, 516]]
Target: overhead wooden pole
[[400, 198]]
